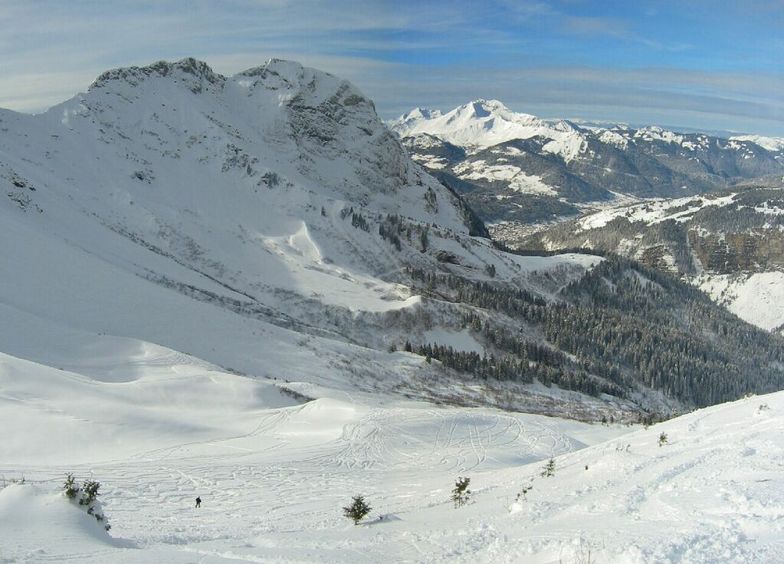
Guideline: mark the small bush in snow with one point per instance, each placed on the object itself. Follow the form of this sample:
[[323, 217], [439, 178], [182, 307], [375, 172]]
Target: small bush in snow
[[663, 440], [357, 510], [87, 496], [89, 492], [70, 487], [549, 469], [461, 494], [524, 491]]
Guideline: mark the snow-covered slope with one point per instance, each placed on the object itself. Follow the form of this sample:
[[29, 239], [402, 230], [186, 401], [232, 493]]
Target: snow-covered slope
[[206, 285], [755, 297], [274, 476], [769, 143]]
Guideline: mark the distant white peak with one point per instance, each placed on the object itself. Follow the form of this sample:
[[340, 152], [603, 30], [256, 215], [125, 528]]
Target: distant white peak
[[476, 111], [656, 133], [196, 71], [410, 120], [482, 108], [483, 123], [612, 137], [424, 141], [769, 143], [493, 108], [594, 125], [420, 113], [565, 125]]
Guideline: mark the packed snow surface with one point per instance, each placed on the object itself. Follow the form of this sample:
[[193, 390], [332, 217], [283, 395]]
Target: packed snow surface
[[274, 473]]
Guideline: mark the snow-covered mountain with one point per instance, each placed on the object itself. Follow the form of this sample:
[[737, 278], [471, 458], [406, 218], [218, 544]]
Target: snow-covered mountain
[[775, 144], [254, 192], [265, 222], [519, 172], [484, 123], [270, 223], [729, 245]]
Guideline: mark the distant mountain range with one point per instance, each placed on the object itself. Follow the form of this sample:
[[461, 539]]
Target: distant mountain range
[[519, 172]]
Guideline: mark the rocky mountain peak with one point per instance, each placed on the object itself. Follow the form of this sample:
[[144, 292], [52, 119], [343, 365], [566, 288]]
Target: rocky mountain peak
[[196, 73]]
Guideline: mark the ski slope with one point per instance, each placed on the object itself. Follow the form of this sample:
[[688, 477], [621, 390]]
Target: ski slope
[[273, 473]]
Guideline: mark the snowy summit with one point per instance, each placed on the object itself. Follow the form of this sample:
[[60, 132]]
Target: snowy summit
[[483, 123]]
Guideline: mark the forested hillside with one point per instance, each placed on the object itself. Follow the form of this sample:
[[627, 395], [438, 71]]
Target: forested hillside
[[620, 329]]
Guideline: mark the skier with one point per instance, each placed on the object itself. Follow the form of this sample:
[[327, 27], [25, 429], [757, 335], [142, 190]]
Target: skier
[[198, 502]]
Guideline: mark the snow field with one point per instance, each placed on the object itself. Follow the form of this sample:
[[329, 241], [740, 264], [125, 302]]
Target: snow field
[[518, 181], [653, 211], [757, 298], [273, 476]]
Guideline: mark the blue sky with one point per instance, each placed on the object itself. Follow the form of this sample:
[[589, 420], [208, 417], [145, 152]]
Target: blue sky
[[715, 65]]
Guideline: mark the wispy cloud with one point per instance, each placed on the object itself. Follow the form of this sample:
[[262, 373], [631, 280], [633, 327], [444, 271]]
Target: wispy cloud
[[593, 26], [616, 28], [653, 95], [537, 56]]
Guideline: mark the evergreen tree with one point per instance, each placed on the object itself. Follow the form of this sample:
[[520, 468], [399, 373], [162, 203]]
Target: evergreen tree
[[524, 491], [70, 487], [357, 510], [461, 494], [89, 492]]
